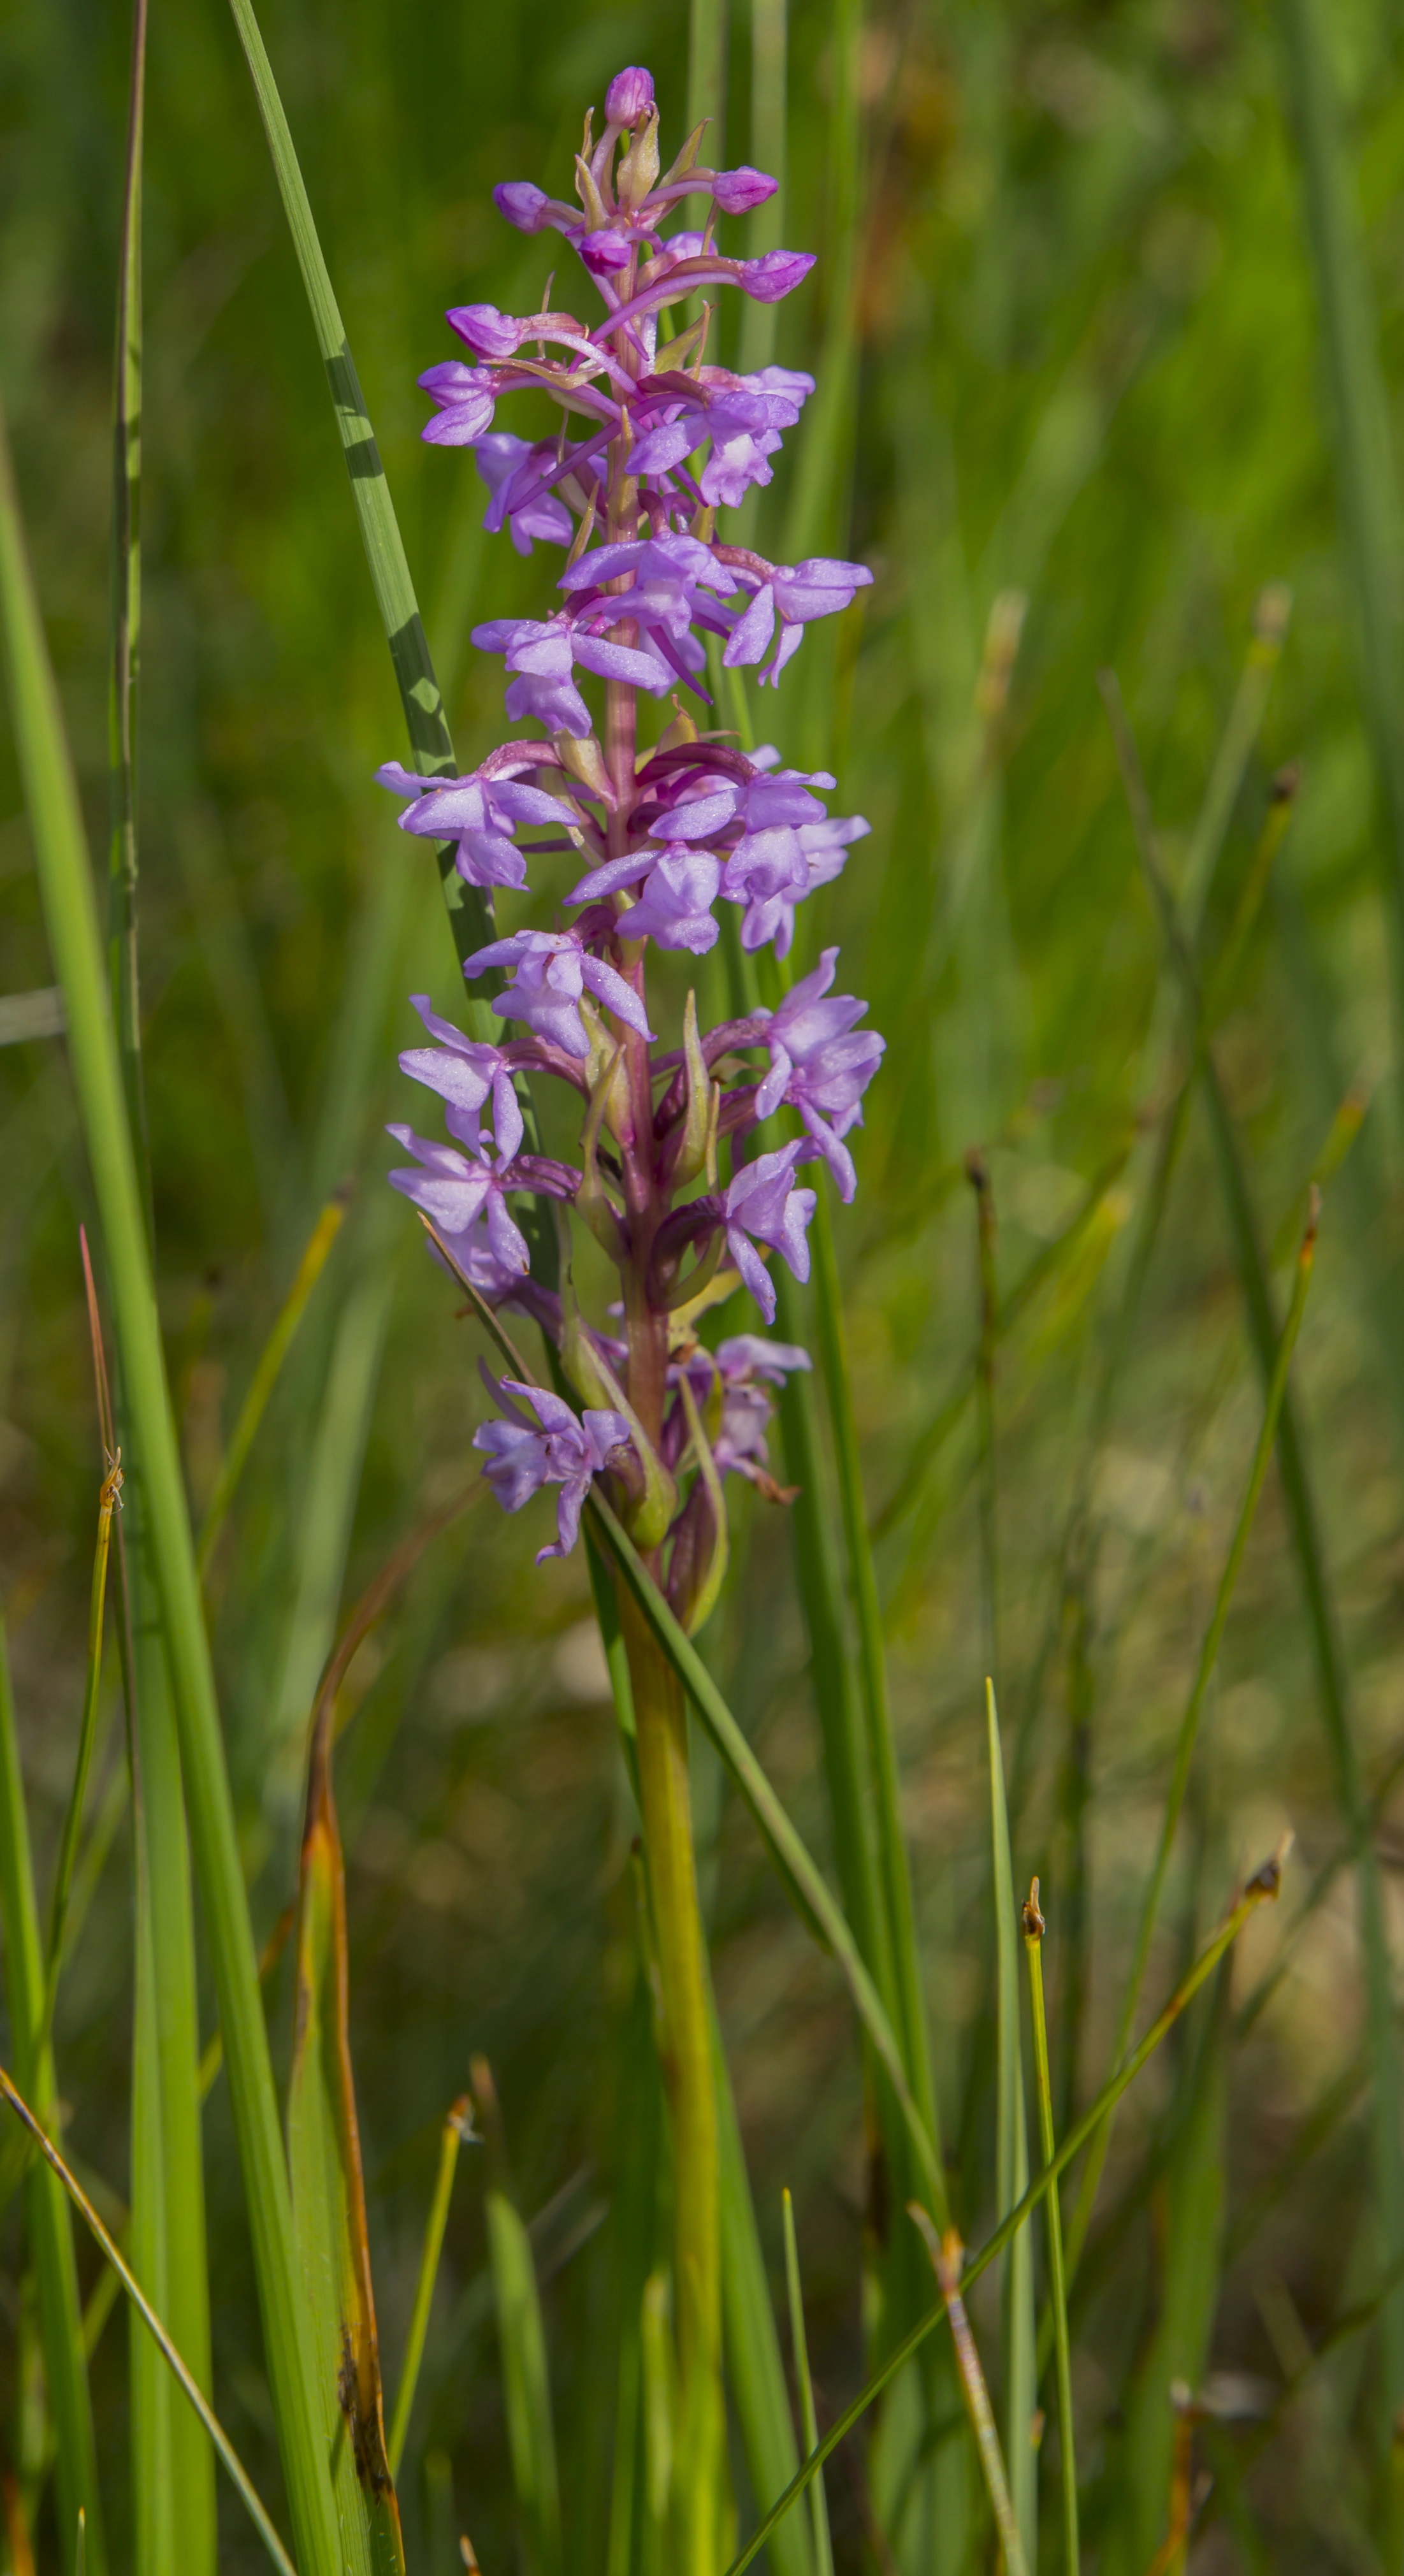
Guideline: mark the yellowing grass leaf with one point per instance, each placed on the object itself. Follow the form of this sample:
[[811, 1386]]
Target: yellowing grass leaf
[[329, 2205]]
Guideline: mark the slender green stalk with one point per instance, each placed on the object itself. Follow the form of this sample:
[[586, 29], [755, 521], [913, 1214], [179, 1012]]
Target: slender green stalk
[[108, 1501], [469, 909], [706, 74], [977, 1173], [49, 2225], [947, 2254], [67, 895], [1012, 2169], [809, 2422], [1262, 1887], [819, 493], [1194, 1708], [1367, 490], [755, 2371], [258, 2513], [173, 2471], [1053, 2220], [457, 2126], [265, 1377]]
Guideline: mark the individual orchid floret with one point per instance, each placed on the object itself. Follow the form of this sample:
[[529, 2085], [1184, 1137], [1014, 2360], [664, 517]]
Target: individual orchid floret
[[456, 1189], [762, 1205], [480, 812], [629, 97], [543, 652], [505, 464], [531, 210], [796, 594], [560, 1448], [466, 397], [674, 908], [770, 892], [674, 584], [743, 419], [822, 1063], [465, 1073], [551, 971]]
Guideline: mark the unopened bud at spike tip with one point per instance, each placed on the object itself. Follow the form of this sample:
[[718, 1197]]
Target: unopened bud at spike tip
[[629, 97]]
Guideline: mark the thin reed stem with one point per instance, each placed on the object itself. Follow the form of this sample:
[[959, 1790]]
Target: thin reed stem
[[265, 1378], [109, 1500], [804, 2385], [947, 2255], [1053, 2220], [457, 2126]]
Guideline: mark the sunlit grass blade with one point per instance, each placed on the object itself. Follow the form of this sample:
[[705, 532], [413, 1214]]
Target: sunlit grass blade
[[195, 2394], [818, 502], [328, 2189], [457, 2126], [809, 2422], [1262, 1888], [522, 2341], [66, 891], [265, 1377], [109, 1500], [1033, 1925], [47, 2218], [126, 613], [470, 912], [1194, 1708], [1012, 2167], [947, 2254], [1304, 1521]]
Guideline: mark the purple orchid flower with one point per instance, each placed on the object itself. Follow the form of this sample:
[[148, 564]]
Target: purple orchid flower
[[797, 594], [456, 1189], [671, 577], [465, 395], [543, 651], [559, 1448], [675, 906], [762, 1205], [466, 1074], [505, 463], [743, 420], [480, 813], [822, 1063], [629, 97], [551, 970]]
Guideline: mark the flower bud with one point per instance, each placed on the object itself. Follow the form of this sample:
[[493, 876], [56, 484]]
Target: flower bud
[[523, 204], [629, 97], [736, 191]]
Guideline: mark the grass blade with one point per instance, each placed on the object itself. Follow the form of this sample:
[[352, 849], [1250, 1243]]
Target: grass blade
[[328, 2189], [126, 617], [470, 911], [946, 2254], [1261, 1889], [67, 895], [1012, 2169], [265, 1377], [1366, 486], [809, 2424], [755, 2371], [108, 1500], [1332, 1679], [1053, 2220], [1189, 1723], [49, 2226], [521, 2334], [257, 2511], [457, 2127]]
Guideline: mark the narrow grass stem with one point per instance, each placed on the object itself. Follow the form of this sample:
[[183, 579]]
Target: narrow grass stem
[[1262, 1887], [258, 2513], [1053, 2220], [109, 1500], [947, 2254], [804, 2386], [265, 1378], [1194, 1708], [457, 2127]]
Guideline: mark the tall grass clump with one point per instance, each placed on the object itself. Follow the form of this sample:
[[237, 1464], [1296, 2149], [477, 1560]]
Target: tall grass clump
[[555, 2063]]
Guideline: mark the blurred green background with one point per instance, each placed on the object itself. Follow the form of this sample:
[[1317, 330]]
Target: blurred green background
[[1090, 426]]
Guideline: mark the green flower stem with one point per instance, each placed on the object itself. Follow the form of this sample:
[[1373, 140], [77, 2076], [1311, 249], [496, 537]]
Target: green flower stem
[[1053, 2220], [660, 1717], [66, 891]]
